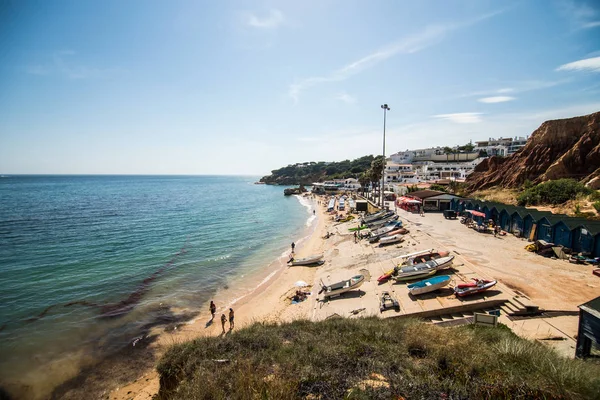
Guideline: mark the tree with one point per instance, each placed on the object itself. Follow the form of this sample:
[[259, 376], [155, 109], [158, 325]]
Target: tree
[[364, 180], [376, 171]]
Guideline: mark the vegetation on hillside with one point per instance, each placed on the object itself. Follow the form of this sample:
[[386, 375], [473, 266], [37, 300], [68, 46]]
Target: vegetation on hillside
[[371, 358], [308, 172], [552, 192]]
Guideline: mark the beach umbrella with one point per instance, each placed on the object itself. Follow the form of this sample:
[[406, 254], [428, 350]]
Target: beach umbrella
[[300, 284]]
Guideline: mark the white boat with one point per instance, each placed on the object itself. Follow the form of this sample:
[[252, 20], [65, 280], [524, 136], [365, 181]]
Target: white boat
[[443, 262], [429, 285], [422, 270], [310, 260], [342, 287], [390, 239]]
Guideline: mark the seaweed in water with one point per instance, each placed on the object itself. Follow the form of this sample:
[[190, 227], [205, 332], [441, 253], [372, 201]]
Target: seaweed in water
[[124, 306]]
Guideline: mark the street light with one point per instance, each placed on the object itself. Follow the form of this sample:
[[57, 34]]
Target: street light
[[385, 109]]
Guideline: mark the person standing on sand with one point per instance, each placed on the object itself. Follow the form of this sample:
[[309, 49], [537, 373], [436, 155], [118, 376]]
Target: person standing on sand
[[355, 236], [293, 246], [213, 310], [231, 324], [223, 320]]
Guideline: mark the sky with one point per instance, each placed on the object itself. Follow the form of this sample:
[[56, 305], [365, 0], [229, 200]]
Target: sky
[[240, 87]]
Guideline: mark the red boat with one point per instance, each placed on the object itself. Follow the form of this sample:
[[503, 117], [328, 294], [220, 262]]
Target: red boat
[[477, 286]]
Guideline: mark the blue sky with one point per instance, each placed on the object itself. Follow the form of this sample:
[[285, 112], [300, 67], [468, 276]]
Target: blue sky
[[205, 87]]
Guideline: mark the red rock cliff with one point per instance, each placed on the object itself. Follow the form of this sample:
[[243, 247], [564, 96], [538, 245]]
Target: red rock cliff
[[562, 148]]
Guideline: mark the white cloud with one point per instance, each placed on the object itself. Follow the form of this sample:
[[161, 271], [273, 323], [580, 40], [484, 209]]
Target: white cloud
[[346, 98], [505, 90], [274, 20], [588, 64], [429, 36], [579, 14], [461, 118], [496, 99]]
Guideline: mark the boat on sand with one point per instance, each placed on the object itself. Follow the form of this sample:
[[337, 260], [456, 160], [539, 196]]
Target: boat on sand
[[421, 270], [315, 259], [477, 286], [411, 259], [344, 286], [384, 241], [429, 285]]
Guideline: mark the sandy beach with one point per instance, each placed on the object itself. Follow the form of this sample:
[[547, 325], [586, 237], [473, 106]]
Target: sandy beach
[[550, 284]]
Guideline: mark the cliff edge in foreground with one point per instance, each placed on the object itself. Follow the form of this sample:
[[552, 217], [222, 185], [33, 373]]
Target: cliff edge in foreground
[[370, 358]]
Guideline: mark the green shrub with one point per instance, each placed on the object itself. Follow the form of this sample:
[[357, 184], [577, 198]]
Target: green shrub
[[333, 359], [440, 188], [597, 206], [553, 192]]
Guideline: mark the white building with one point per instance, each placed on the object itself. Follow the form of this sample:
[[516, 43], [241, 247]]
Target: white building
[[501, 147]]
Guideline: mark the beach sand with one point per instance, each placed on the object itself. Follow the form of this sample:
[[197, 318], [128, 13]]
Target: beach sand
[[550, 284]]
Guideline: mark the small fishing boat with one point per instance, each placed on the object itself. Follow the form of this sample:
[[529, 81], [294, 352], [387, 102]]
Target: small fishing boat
[[442, 262], [422, 270], [315, 259], [421, 258], [429, 285], [477, 286], [387, 274], [386, 240], [342, 287], [413, 272]]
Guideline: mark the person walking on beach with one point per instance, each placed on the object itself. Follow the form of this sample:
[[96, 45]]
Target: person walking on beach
[[213, 310], [223, 320], [355, 236], [231, 324], [293, 246]]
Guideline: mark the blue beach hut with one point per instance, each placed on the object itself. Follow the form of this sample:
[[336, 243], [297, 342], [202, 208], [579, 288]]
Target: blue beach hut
[[544, 229], [517, 222], [583, 236], [562, 233], [504, 219]]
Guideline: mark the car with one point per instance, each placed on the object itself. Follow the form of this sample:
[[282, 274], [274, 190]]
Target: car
[[450, 214]]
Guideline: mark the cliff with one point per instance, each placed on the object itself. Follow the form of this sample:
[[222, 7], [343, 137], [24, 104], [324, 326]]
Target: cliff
[[563, 148]]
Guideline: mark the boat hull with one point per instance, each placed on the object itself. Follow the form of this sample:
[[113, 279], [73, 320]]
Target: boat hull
[[470, 289], [429, 285], [342, 287]]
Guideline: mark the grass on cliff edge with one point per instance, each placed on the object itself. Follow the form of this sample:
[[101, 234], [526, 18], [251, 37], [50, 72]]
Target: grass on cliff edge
[[372, 359]]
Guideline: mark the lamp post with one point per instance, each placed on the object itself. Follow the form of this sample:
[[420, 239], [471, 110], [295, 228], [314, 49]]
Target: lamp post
[[385, 109]]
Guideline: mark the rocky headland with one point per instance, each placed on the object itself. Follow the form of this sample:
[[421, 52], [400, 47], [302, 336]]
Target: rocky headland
[[563, 148]]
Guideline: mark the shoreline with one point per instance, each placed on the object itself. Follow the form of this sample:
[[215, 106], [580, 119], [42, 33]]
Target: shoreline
[[264, 302]]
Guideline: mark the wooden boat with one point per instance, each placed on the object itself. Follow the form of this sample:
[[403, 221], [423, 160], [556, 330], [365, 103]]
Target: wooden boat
[[315, 259], [386, 240], [387, 302], [387, 274], [342, 287], [477, 286], [429, 285]]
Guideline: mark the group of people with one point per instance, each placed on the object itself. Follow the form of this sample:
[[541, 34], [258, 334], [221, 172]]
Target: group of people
[[213, 311], [299, 296]]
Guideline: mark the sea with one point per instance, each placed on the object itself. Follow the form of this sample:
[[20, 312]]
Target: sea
[[88, 264]]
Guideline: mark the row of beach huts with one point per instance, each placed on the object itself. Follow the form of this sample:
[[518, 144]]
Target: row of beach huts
[[578, 234]]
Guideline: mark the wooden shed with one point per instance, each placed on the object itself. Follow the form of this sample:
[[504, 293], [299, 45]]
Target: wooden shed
[[588, 333]]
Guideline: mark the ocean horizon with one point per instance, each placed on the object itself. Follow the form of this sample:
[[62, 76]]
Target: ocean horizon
[[89, 263]]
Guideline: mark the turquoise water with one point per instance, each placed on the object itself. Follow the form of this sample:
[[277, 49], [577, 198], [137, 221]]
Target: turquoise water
[[90, 262]]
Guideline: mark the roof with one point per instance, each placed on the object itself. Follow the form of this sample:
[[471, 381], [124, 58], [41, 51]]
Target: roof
[[592, 226], [592, 307], [423, 194]]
